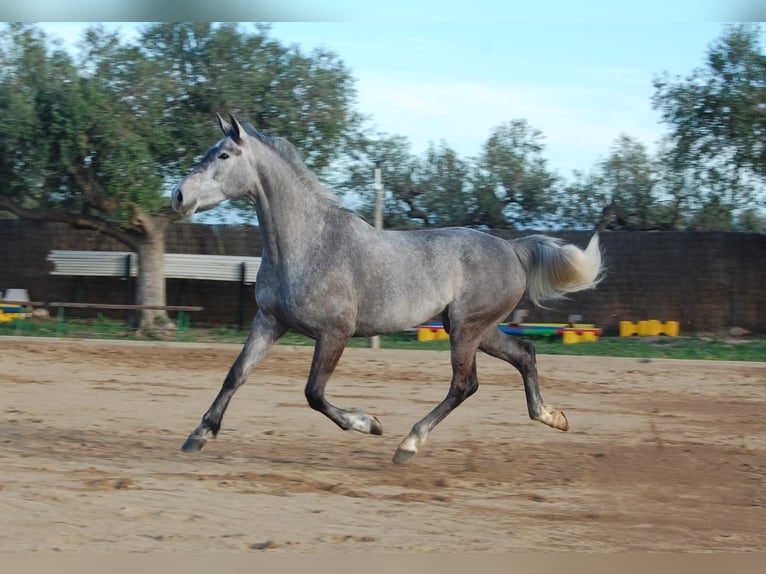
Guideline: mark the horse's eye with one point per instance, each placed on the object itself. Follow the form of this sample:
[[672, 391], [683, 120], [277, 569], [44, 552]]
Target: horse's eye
[[223, 155]]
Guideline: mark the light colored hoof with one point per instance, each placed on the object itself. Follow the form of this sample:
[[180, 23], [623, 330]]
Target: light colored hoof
[[559, 420], [402, 456], [554, 418]]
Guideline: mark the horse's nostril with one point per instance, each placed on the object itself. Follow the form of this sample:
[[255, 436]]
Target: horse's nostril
[[179, 198]]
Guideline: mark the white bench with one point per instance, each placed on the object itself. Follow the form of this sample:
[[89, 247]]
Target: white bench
[[177, 265]]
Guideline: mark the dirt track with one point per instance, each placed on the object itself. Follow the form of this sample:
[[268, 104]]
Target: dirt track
[[661, 455]]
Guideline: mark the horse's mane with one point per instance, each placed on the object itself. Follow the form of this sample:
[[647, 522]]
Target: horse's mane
[[292, 156]]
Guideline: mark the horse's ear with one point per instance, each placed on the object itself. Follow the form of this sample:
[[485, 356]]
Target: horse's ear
[[223, 124], [236, 128]]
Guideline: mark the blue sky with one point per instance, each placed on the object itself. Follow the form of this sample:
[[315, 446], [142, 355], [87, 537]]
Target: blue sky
[[582, 83]]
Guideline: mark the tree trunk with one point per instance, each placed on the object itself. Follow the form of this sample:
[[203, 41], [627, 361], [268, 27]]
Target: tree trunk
[[150, 285]]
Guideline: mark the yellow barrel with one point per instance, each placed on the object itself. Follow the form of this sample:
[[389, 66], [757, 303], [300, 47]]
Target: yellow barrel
[[653, 328], [589, 337], [627, 329], [671, 328], [570, 337], [425, 334]]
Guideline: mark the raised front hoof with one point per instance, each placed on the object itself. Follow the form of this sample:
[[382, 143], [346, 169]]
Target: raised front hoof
[[402, 456], [194, 443]]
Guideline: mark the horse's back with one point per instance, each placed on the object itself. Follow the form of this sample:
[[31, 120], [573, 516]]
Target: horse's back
[[407, 277]]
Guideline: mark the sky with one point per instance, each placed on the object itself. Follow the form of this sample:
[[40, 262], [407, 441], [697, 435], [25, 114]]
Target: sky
[[581, 83]]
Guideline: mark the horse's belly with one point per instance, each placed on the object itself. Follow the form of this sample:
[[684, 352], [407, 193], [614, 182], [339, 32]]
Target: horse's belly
[[400, 310]]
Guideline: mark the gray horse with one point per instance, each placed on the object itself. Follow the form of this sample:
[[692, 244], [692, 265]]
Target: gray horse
[[328, 274]]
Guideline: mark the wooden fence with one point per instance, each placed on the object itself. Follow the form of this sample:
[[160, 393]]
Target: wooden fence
[[706, 281]]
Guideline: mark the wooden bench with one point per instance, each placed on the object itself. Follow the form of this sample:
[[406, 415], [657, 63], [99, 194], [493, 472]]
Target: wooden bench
[[238, 268]]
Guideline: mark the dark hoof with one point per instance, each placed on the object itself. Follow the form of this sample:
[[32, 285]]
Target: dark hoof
[[194, 443], [375, 426], [403, 456]]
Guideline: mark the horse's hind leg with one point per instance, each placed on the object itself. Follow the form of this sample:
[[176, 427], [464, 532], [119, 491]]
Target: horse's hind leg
[[521, 354], [464, 383], [329, 347], [264, 332]]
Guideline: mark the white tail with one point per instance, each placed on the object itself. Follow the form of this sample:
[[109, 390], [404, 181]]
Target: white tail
[[555, 268]]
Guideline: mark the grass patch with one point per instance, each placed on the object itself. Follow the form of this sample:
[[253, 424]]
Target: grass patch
[[690, 347]]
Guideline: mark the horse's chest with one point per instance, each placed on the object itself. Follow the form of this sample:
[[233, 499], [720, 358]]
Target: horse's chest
[[288, 297]]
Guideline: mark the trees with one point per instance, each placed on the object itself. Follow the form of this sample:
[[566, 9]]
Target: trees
[[508, 185], [717, 120], [305, 98], [98, 142], [431, 190], [621, 192], [513, 185], [708, 173]]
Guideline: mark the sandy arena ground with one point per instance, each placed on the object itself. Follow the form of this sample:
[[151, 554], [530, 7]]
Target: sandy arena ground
[[660, 456]]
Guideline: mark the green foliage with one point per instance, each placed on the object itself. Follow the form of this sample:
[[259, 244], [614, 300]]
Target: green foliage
[[114, 128], [306, 98], [708, 174], [751, 221], [717, 118], [626, 189], [430, 190], [73, 143], [507, 186], [513, 182], [32, 92]]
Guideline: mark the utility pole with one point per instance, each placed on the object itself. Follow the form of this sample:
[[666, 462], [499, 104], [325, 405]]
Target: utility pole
[[378, 196], [375, 341]]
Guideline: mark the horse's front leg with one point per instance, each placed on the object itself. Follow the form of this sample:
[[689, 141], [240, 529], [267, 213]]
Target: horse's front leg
[[329, 347], [264, 332]]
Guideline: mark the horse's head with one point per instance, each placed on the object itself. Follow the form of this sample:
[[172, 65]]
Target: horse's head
[[220, 175]]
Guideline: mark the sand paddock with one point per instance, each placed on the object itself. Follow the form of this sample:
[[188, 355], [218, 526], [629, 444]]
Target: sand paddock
[[661, 455]]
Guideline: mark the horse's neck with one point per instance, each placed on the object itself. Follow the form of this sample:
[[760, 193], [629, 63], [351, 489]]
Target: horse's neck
[[291, 216]]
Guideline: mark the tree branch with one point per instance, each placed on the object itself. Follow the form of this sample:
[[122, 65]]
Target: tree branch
[[129, 238]]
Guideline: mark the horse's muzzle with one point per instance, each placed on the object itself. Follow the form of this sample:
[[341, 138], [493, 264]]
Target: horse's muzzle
[[177, 202], [176, 199]]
